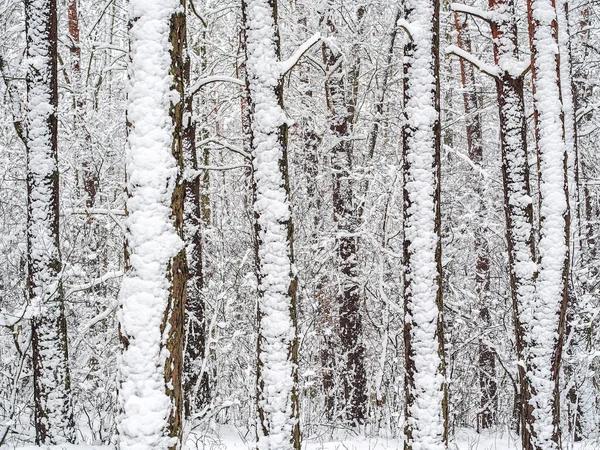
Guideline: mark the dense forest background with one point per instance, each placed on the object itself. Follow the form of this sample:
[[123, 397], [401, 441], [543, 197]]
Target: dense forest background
[[344, 94]]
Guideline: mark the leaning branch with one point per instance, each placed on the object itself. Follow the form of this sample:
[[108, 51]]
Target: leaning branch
[[290, 63], [489, 69], [407, 27]]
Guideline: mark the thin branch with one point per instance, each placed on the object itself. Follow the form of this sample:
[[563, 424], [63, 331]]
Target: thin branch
[[99, 211], [190, 174], [488, 16], [104, 278], [199, 84], [489, 69], [225, 145], [407, 27], [198, 15], [290, 63], [468, 160]]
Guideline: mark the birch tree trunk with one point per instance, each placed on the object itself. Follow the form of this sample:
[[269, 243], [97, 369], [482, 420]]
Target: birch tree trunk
[[277, 399], [153, 290], [544, 322], [51, 381], [425, 385]]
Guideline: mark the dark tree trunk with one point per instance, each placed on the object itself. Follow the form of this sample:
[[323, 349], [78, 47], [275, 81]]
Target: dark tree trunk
[[487, 361], [51, 381], [196, 219], [347, 222]]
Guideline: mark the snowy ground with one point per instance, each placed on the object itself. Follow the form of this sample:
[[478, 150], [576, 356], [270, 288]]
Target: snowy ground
[[231, 438]]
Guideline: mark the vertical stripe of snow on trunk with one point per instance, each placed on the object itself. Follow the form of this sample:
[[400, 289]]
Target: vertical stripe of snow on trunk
[[543, 331], [277, 422], [425, 384], [152, 240], [53, 410]]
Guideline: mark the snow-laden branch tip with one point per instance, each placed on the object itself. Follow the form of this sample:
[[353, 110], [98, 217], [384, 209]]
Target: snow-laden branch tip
[[199, 84], [489, 69], [288, 64], [488, 16], [407, 27], [468, 160]]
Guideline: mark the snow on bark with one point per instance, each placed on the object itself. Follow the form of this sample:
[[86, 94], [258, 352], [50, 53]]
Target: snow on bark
[[53, 410], [518, 204], [425, 426], [277, 422], [544, 322], [153, 241]]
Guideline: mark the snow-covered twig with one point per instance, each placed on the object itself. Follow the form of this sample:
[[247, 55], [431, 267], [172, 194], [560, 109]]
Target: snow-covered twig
[[489, 69], [288, 64], [99, 211], [82, 287], [468, 160], [199, 84], [93, 321]]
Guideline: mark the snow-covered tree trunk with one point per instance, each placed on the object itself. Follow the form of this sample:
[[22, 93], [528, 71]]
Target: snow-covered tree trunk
[[340, 102], [544, 322], [152, 294], [277, 425], [518, 206], [425, 384], [486, 358], [51, 380]]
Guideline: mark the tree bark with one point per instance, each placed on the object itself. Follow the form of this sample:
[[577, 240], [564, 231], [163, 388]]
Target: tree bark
[[545, 328], [153, 290], [277, 396], [425, 387], [341, 111], [486, 358], [54, 422], [196, 219], [518, 205]]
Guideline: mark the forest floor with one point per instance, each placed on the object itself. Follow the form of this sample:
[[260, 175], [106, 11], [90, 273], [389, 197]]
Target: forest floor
[[231, 438]]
